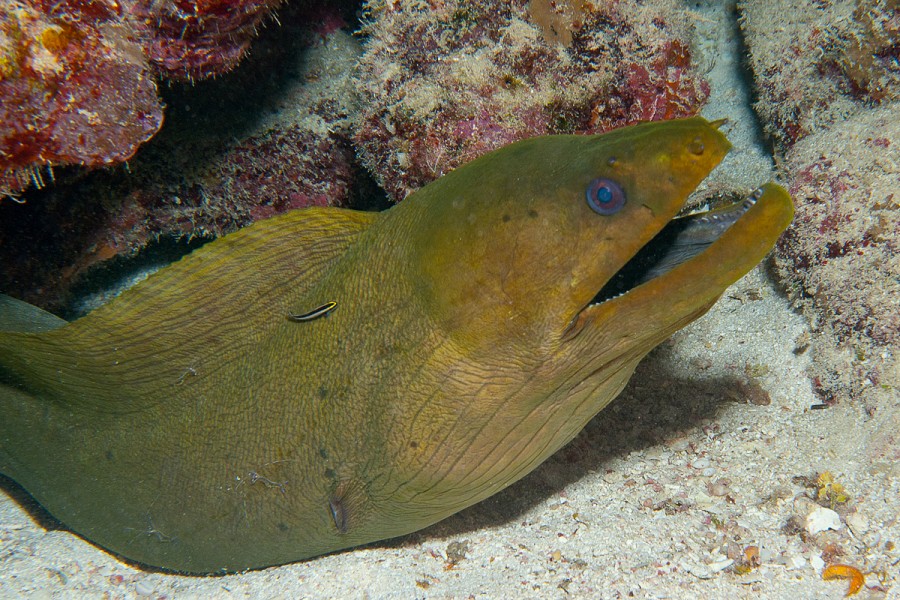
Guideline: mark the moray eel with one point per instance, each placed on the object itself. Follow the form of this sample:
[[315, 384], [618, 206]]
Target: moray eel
[[328, 378]]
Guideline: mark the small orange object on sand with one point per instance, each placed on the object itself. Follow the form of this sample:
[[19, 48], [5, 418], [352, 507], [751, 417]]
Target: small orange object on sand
[[857, 579]]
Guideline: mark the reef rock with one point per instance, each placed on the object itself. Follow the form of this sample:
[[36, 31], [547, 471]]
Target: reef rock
[[74, 89], [441, 85], [815, 63], [833, 107], [841, 256], [78, 79], [270, 137], [195, 40]]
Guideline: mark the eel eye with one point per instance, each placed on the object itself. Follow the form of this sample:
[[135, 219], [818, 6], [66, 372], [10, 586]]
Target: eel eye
[[605, 196]]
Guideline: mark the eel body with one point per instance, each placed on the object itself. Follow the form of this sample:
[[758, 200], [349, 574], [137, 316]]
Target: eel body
[[328, 378]]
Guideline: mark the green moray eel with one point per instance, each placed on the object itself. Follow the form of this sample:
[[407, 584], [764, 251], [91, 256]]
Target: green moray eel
[[328, 378]]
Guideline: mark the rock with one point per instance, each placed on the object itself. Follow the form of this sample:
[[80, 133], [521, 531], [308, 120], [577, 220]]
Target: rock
[[821, 518]]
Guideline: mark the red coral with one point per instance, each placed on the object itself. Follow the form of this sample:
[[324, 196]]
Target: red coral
[[74, 89], [284, 169]]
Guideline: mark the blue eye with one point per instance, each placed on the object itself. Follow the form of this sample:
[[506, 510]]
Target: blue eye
[[605, 196]]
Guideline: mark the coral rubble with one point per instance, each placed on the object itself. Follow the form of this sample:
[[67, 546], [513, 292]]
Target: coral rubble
[[446, 82]]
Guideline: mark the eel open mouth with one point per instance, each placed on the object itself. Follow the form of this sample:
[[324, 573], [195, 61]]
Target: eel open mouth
[[680, 240]]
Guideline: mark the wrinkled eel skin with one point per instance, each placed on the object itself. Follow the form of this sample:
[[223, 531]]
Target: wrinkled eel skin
[[328, 378]]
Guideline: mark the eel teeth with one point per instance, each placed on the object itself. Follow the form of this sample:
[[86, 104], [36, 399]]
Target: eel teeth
[[719, 220]]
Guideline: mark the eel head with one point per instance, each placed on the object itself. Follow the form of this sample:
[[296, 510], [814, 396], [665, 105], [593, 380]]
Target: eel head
[[568, 250]]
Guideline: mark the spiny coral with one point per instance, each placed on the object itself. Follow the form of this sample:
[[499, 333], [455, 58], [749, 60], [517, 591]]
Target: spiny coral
[[74, 88], [193, 40], [447, 82]]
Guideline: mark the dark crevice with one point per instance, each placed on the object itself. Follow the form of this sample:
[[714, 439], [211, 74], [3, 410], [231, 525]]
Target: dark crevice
[[636, 270]]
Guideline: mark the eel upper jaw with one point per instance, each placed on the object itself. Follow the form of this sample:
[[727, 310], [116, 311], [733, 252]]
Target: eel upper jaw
[[677, 250]]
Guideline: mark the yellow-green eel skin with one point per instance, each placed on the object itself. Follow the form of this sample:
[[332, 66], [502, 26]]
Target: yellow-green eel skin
[[191, 425]]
